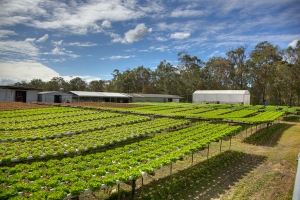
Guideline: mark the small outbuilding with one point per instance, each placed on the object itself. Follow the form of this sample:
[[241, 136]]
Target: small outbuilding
[[18, 94], [222, 96], [54, 97]]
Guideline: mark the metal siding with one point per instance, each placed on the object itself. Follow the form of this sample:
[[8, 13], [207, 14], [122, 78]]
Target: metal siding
[[31, 95], [7, 94]]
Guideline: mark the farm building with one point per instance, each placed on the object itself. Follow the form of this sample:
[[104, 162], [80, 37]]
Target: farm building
[[81, 96], [222, 96], [18, 93], [54, 97]]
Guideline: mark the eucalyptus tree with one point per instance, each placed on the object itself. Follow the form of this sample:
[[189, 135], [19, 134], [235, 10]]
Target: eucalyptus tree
[[56, 83], [264, 59], [77, 84], [166, 78], [141, 77], [218, 74], [191, 74], [96, 85], [123, 82], [37, 83], [238, 57], [291, 55]]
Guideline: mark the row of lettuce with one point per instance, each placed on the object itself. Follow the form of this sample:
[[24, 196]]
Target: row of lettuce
[[223, 114], [16, 151], [68, 177]]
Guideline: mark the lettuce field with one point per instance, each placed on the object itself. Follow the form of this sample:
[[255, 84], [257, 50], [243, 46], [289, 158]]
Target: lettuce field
[[65, 151]]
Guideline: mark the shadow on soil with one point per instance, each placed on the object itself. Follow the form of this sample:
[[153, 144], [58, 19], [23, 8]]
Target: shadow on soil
[[267, 136], [206, 180], [293, 118]]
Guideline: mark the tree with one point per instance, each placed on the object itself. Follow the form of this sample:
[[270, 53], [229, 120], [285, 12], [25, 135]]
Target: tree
[[77, 84], [56, 83], [219, 74], [141, 77], [264, 59], [190, 69], [240, 71], [96, 86], [166, 78], [292, 72]]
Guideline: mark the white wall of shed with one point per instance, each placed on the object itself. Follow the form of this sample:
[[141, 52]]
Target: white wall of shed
[[31, 95]]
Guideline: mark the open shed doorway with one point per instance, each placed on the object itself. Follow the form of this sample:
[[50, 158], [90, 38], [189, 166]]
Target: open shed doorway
[[21, 96], [57, 99]]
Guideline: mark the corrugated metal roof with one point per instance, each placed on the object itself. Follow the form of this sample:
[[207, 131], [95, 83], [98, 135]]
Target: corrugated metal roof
[[114, 94], [221, 92], [18, 87], [122, 95], [86, 94], [56, 92], [155, 96]]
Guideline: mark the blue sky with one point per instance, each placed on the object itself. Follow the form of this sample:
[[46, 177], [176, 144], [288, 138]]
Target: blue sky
[[91, 38]]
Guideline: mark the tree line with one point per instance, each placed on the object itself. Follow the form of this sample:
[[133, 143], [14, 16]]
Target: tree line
[[270, 74]]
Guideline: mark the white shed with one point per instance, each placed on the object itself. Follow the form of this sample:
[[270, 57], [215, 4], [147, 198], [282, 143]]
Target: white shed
[[222, 96], [18, 93], [54, 97]]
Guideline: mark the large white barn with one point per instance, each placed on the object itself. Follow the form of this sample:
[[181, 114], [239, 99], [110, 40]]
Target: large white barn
[[222, 96]]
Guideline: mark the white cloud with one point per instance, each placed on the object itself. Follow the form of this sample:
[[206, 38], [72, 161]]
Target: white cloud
[[19, 48], [180, 35], [5, 33], [187, 13], [44, 38], [24, 71], [70, 17], [84, 44], [106, 24], [63, 52], [160, 48], [132, 35], [161, 39], [29, 39], [293, 43], [137, 33], [57, 43], [118, 57], [214, 53]]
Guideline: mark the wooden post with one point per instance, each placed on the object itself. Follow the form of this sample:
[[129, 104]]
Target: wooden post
[[221, 146], [133, 185], [229, 142], [119, 193], [208, 153], [192, 158], [171, 171]]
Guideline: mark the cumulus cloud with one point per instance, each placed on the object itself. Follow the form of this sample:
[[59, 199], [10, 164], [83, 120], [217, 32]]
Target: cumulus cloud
[[24, 71], [180, 35], [137, 33], [106, 24], [5, 33], [44, 38], [293, 43]]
